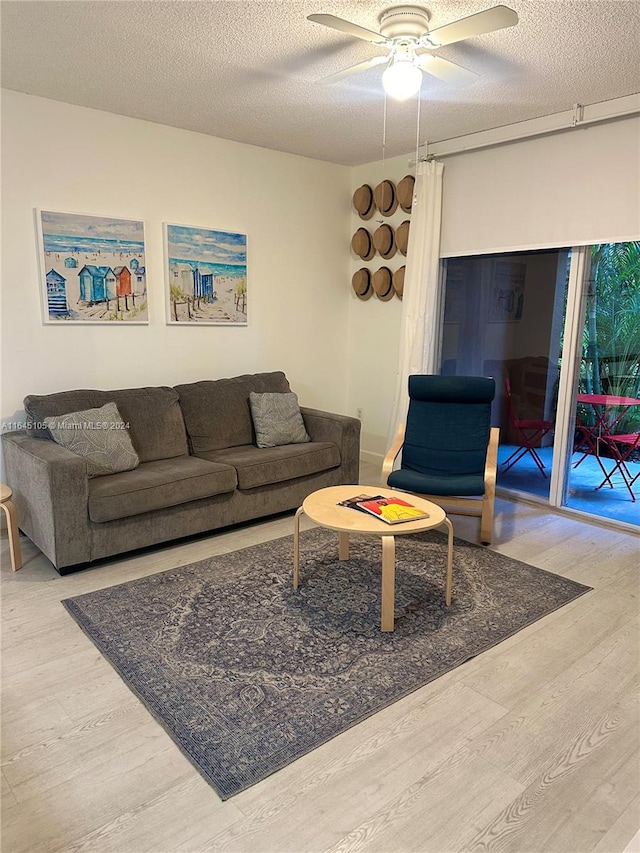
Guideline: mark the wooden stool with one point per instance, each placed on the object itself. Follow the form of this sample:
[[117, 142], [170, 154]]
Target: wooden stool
[[12, 526]]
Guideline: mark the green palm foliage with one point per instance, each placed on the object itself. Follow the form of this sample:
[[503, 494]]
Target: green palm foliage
[[611, 341]]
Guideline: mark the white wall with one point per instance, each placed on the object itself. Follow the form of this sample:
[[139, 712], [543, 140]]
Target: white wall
[[295, 212]]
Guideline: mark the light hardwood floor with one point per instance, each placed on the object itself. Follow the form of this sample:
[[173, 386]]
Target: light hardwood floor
[[530, 748]]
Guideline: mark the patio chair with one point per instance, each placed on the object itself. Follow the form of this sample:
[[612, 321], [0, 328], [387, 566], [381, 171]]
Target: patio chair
[[585, 440], [449, 448], [530, 431], [622, 447]]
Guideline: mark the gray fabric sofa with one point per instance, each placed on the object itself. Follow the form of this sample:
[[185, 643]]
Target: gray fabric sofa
[[199, 468]]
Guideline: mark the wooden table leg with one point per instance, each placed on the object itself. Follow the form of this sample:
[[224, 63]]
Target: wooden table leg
[[448, 584], [14, 535], [296, 548], [343, 546], [388, 582]]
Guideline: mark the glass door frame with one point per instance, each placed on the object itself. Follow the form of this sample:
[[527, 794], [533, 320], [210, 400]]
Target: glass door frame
[[569, 374]]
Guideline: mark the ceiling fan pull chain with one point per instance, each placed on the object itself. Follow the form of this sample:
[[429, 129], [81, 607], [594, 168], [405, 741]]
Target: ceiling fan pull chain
[[418, 131], [384, 133]]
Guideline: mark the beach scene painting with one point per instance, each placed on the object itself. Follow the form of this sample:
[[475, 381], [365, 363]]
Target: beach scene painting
[[93, 269], [206, 276]]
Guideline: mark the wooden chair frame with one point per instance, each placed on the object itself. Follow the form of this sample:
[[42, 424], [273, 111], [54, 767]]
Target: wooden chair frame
[[481, 506]]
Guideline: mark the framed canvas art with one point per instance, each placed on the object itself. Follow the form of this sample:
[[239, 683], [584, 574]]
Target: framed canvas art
[[92, 269], [206, 276], [507, 294]]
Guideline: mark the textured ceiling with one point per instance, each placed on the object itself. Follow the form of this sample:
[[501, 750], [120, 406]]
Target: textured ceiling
[[248, 71]]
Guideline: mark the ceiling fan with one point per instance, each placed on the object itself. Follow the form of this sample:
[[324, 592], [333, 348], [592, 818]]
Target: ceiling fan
[[404, 30]]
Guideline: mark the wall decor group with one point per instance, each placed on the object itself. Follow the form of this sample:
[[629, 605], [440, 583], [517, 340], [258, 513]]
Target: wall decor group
[[384, 199], [93, 270]]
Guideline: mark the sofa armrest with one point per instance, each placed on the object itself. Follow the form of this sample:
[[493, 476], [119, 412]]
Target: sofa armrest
[[342, 430], [50, 492]]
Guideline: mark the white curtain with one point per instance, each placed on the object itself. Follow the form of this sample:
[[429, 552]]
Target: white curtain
[[420, 322]]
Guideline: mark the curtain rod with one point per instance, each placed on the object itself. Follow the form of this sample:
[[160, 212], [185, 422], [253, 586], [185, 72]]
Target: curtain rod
[[578, 116]]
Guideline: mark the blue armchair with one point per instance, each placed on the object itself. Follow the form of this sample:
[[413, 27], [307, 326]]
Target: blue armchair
[[449, 448]]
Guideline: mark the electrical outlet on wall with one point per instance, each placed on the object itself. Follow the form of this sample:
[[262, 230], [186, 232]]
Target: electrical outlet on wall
[[359, 414]]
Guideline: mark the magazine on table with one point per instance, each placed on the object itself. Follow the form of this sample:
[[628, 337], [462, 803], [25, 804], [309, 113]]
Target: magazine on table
[[393, 510]]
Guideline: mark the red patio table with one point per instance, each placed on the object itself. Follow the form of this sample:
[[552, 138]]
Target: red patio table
[[609, 410]]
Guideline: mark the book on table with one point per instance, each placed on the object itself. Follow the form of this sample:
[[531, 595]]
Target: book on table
[[393, 510]]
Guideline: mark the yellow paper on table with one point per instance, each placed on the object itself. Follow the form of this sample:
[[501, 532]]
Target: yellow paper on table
[[390, 509]]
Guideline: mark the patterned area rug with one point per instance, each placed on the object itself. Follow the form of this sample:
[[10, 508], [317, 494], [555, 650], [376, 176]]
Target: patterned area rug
[[247, 675]]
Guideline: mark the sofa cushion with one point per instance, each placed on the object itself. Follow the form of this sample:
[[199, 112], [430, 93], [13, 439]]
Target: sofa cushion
[[217, 413], [99, 436], [156, 485], [156, 425], [262, 466], [277, 419]]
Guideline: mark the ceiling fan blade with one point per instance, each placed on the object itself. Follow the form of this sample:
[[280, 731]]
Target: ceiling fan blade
[[496, 18], [445, 70], [347, 27], [355, 69]]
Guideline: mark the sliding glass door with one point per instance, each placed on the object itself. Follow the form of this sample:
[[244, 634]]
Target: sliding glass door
[[603, 474], [503, 317], [538, 322]]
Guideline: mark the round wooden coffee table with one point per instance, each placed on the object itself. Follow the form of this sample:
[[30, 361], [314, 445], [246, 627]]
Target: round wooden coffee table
[[12, 526], [322, 507]]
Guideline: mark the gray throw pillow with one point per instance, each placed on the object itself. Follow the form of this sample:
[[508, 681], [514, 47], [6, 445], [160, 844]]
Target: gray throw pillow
[[98, 435], [277, 419]]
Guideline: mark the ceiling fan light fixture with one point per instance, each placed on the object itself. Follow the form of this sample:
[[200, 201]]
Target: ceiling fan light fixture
[[402, 79]]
